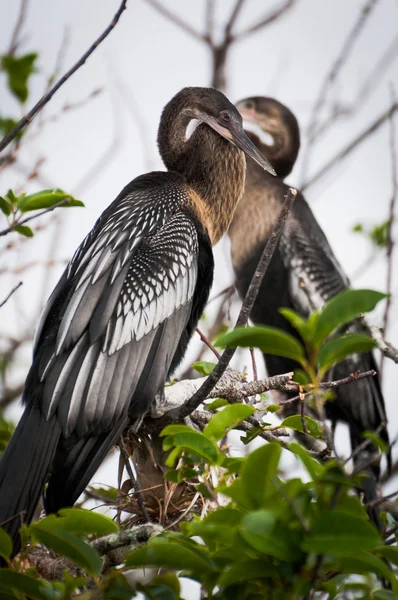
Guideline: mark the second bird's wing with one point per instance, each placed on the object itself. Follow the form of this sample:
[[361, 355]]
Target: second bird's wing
[[113, 324]]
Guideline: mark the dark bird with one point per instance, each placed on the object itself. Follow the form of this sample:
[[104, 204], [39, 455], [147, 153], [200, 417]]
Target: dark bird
[[120, 319], [304, 274]]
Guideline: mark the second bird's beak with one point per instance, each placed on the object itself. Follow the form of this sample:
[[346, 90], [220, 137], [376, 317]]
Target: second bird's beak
[[235, 134]]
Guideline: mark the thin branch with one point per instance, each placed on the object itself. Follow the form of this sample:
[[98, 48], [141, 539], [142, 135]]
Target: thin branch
[[173, 18], [39, 214], [350, 147], [332, 75], [270, 18], [134, 482], [17, 29], [254, 365], [209, 17], [207, 386], [388, 350], [231, 21], [14, 289], [390, 240], [47, 97], [207, 342]]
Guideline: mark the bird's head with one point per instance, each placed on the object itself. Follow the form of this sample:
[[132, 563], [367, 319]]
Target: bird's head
[[274, 129], [209, 106]]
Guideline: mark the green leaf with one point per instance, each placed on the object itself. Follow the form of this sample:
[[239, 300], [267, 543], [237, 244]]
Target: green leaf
[[6, 125], [226, 419], [364, 562], [269, 340], [218, 403], [314, 429], [38, 589], [339, 348], [18, 70], [377, 441], [69, 546], [390, 553], [46, 199], [256, 474], [298, 322], [11, 197], [383, 595], [80, 522], [203, 367], [191, 441], [259, 529], [24, 230], [340, 533], [5, 544], [342, 309], [4, 206], [170, 554], [241, 572], [313, 467]]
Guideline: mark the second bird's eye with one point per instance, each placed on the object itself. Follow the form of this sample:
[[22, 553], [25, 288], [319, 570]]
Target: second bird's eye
[[225, 117]]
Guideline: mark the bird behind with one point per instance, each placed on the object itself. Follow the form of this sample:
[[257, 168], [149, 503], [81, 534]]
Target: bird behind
[[303, 275], [120, 318]]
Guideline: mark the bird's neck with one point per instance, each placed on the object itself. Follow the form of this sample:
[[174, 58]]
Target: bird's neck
[[215, 171]]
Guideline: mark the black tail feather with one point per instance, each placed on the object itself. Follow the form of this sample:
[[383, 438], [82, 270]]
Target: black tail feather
[[76, 464], [24, 468]]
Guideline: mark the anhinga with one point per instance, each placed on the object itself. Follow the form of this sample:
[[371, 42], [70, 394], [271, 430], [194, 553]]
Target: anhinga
[[120, 319], [304, 273]]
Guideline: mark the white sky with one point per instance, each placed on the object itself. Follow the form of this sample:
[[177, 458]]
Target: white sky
[[140, 66]]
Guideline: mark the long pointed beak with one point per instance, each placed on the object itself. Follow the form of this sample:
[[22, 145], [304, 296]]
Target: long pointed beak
[[240, 139], [237, 136]]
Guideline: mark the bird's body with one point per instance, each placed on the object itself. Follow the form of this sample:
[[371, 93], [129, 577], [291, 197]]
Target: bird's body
[[120, 319], [304, 274]]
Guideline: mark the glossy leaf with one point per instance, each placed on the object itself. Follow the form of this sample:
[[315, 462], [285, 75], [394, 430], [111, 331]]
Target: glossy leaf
[[313, 467], [260, 530], [341, 533], [338, 349], [18, 70], [37, 589], [298, 322], [376, 440], [191, 441], [256, 474], [226, 419], [364, 562], [69, 546], [5, 544], [81, 522], [47, 199], [314, 429], [217, 403], [171, 555], [342, 309], [24, 230], [269, 340], [4, 206], [203, 367]]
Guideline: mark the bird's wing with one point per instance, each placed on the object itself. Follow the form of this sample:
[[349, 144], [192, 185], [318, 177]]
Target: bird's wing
[[315, 275], [315, 278], [114, 321]]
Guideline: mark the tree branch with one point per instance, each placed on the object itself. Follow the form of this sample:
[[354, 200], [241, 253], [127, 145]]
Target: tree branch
[[350, 147], [17, 29], [39, 214], [47, 97], [270, 18], [173, 18], [14, 289]]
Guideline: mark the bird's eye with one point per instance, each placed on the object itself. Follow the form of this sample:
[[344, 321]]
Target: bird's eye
[[225, 117], [249, 104]]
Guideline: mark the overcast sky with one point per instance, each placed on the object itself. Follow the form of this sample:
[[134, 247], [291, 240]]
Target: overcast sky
[[141, 65]]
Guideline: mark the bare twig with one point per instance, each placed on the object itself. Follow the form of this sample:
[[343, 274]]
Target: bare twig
[[232, 19], [173, 18], [372, 128], [254, 365], [332, 75], [267, 20], [17, 29], [134, 482], [205, 389], [14, 289], [47, 97], [207, 342], [388, 350], [390, 240]]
